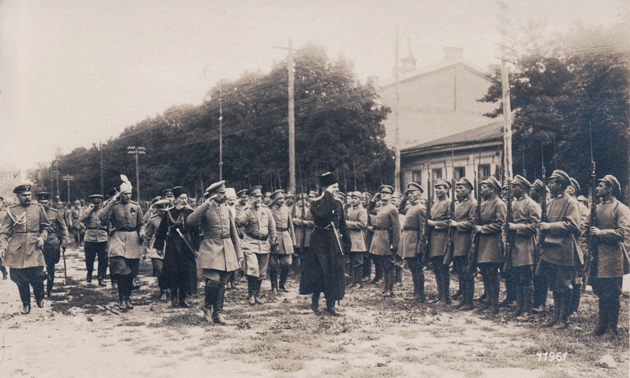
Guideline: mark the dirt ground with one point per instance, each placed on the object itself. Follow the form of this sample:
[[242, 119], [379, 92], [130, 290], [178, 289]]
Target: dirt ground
[[81, 333]]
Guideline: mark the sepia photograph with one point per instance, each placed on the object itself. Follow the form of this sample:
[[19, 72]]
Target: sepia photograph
[[302, 188]]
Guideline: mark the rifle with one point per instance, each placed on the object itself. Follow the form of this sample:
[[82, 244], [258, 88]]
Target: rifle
[[543, 215], [590, 263], [450, 248], [474, 248], [303, 214], [427, 228], [509, 235]]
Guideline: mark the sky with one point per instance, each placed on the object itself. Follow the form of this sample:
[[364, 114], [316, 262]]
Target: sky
[[78, 72]]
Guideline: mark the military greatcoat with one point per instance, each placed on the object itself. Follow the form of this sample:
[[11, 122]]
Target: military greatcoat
[[19, 230], [465, 214], [386, 231], [526, 214], [493, 214]]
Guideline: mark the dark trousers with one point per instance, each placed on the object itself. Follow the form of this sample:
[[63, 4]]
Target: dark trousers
[[559, 277], [367, 265], [34, 277], [524, 284], [510, 285], [442, 278], [92, 251], [490, 273], [540, 290], [466, 280], [216, 281], [124, 271]]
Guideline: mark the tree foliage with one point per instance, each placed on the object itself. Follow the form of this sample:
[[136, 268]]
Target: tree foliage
[[560, 90], [338, 127]]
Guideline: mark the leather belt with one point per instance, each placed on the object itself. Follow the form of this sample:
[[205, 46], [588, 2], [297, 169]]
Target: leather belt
[[410, 229], [261, 238], [126, 229], [27, 232], [97, 228], [327, 228], [282, 229]]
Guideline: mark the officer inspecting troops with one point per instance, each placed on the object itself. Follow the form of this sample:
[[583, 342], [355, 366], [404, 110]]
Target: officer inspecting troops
[[412, 240], [560, 251], [259, 233], [610, 262], [281, 254], [525, 218], [95, 240], [56, 241], [220, 251], [462, 223], [125, 241], [23, 231], [386, 236]]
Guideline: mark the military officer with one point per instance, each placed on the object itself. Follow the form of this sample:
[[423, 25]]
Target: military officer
[[440, 223], [540, 281], [168, 195], [525, 218], [462, 223], [23, 231], [610, 263], [56, 240], [411, 242], [280, 257], [357, 224], [95, 242], [157, 256], [77, 226], [220, 252], [259, 233], [490, 252], [125, 241], [386, 236], [576, 284], [369, 232], [560, 252]]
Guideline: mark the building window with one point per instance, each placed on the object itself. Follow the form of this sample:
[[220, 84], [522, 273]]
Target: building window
[[437, 174], [484, 171], [459, 172], [416, 176]]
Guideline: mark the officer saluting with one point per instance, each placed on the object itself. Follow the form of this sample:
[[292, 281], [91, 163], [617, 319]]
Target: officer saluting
[[26, 224], [56, 240]]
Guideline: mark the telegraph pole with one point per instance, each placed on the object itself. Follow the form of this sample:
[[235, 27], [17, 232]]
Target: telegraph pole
[[505, 88], [220, 134], [291, 72], [100, 147], [397, 130], [136, 150]]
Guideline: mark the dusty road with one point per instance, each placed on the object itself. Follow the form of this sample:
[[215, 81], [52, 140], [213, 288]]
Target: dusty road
[[80, 333]]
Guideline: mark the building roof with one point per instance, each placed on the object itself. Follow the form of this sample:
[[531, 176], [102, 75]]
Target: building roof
[[489, 134]]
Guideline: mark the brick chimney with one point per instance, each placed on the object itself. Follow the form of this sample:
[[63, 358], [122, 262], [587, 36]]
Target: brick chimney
[[453, 53]]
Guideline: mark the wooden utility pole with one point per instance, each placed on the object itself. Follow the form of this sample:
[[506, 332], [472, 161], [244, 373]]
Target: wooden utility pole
[[136, 150], [291, 72], [396, 124], [220, 133], [100, 147], [505, 88], [68, 178]]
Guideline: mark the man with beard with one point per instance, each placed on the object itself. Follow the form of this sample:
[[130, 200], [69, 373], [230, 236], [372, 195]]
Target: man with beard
[[220, 251], [23, 230], [125, 241], [490, 250], [559, 248], [525, 218], [95, 242], [411, 242], [280, 258], [174, 235], [56, 240], [324, 265], [157, 255], [259, 233], [462, 223]]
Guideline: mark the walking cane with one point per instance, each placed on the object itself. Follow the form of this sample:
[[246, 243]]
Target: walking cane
[[65, 271]]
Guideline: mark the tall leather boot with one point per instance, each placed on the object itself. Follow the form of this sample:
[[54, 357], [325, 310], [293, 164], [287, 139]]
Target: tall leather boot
[[273, 277], [556, 311], [378, 273], [438, 283], [358, 276], [528, 301], [257, 297], [446, 283], [519, 302], [414, 279], [315, 302], [565, 306], [385, 281], [493, 295], [420, 282], [217, 315], [174, 298], [484, 296], [251, 290], [485, 301], [284, 273], [25, 297], [613, 317], [398, 273], [390, 277], [469, 295], [209, 301], [38, 293], [602, 323], [182, 297], [367, 266], [50, 281], [462, 288], [576, 295]]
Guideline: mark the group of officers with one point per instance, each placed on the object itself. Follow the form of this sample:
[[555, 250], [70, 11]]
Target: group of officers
[[333, 239]]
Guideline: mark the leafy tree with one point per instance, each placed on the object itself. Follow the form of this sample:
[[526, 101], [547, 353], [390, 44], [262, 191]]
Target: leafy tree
[[562, 88], [338, 127]]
